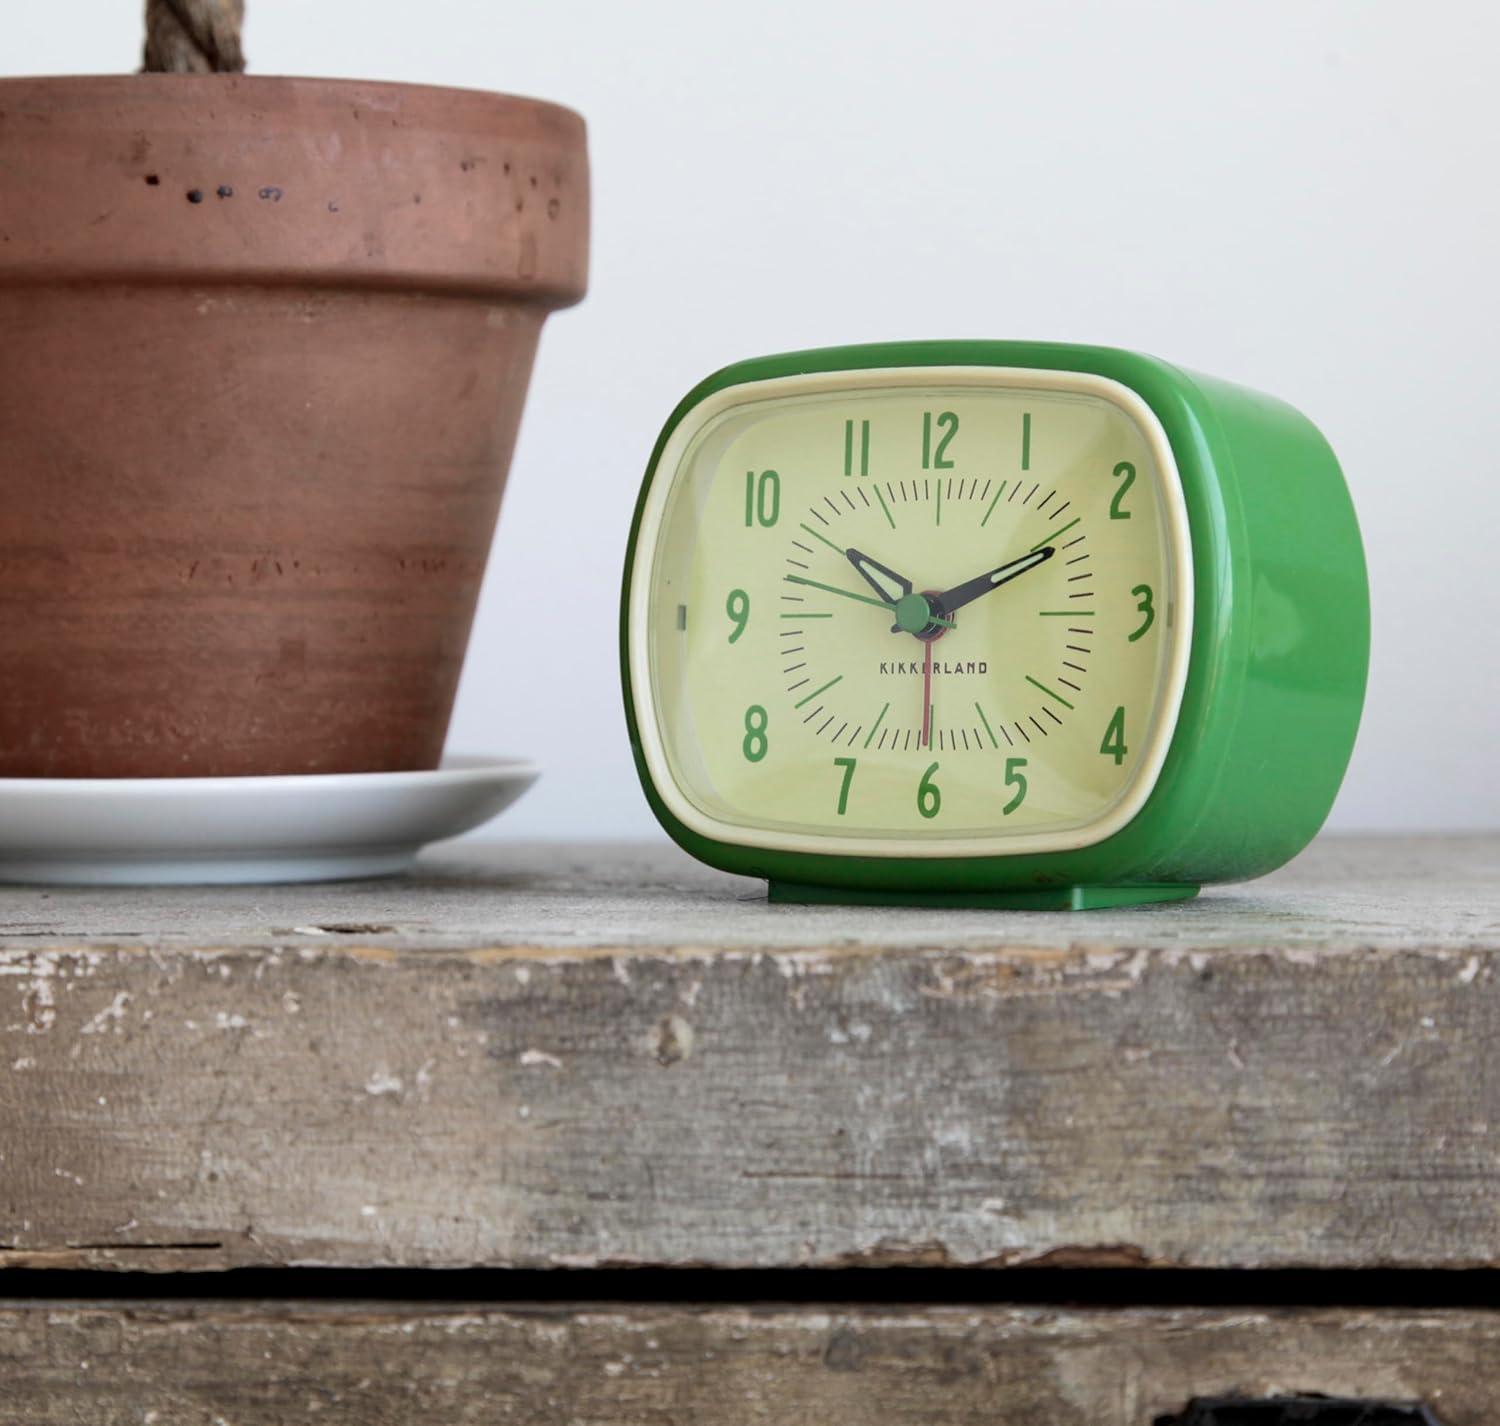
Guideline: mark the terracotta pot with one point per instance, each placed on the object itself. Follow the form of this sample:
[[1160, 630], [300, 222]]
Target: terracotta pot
[[263, 349]]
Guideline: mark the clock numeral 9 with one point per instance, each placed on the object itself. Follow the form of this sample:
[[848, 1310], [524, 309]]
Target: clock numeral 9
[[737, 606], [1142, 593], [848, 765], [1128, 471], [929, 797], [1015, 778], [1113, 744], [947, 423], [762, 498], [755, 744]]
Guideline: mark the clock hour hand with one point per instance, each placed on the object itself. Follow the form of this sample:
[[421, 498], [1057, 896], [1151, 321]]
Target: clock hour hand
[[889, 585], [915, 613], [971, 589]]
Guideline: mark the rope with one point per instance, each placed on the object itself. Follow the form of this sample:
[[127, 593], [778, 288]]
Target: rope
[[194, 36]]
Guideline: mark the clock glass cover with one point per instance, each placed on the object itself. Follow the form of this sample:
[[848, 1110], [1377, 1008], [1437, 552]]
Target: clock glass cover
[[911, 612]]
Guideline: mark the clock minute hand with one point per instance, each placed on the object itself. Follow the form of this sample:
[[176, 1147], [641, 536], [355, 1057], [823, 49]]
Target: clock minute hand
[[971, 589], [834, 589]]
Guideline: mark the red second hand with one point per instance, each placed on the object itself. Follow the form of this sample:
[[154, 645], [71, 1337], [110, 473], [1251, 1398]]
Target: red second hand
[[927, 695]]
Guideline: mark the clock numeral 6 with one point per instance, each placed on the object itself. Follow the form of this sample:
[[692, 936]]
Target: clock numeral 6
[[762, 498], [947, 423], [848, 765], [1128, 471], [1015, 778], [1113, 745], [755, 744], [1142, 594], [737, 606], [929, 798]]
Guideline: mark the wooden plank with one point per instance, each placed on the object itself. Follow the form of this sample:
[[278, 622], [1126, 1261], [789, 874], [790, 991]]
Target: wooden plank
[[578, 1057], [382, 1365]]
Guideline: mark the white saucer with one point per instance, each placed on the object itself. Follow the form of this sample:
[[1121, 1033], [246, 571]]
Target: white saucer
[[164, 830]]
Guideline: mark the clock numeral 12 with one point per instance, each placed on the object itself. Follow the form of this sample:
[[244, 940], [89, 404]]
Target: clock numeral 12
[[947, 424], [762, 498], [864, 448]]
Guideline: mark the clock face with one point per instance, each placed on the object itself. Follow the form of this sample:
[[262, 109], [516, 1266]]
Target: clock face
[[915, 612]]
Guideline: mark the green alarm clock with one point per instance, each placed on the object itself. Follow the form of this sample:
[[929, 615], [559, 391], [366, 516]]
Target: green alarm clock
[[1002, 624]]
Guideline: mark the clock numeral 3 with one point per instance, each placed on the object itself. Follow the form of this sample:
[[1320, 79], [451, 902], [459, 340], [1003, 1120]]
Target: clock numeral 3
[[1142, 594], [762, 498]]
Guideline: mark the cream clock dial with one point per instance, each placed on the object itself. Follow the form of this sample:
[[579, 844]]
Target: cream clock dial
[[912, 611]]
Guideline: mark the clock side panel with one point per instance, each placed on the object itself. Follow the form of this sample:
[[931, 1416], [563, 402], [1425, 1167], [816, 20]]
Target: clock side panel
[[1287, 637]]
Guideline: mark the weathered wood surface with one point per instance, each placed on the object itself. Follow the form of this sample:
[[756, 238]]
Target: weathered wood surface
[[567, 1056], [253, 1365]]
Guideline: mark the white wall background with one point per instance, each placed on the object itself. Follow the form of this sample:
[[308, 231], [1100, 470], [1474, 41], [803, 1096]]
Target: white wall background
[[1298, 194]]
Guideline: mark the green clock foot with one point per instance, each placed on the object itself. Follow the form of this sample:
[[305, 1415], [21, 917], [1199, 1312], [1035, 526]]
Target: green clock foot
[[1060, 898]]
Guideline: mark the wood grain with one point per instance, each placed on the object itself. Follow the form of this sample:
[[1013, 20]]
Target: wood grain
[[379, 1365], [573, 1056]]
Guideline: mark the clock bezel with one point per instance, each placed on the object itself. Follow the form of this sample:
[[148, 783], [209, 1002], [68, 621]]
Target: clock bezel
[[666, 472]]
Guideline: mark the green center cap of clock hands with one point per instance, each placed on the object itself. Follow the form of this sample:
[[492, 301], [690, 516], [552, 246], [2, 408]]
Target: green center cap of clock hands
[[913, 613]]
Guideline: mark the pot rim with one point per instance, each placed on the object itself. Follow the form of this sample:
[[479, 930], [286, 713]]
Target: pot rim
[[270, 81], [286, 180]]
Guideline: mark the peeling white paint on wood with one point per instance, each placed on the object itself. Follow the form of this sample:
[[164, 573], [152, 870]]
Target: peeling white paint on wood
[[574, 1057], [1345, 895]]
